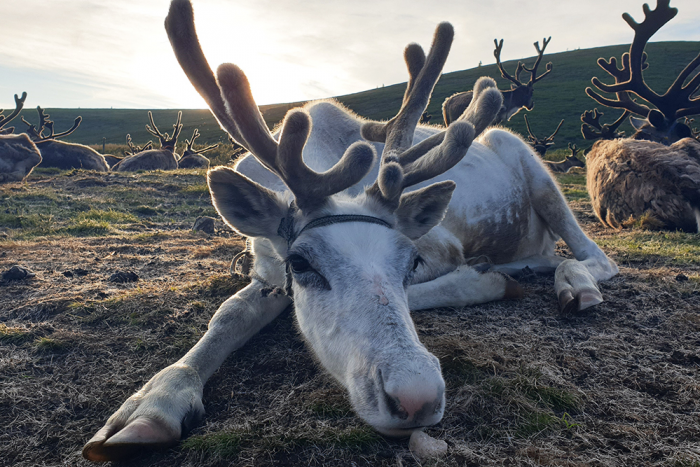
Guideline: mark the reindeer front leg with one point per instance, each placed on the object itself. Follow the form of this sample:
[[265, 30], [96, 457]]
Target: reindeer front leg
[[171, 402], [575, 281], [461, 287]]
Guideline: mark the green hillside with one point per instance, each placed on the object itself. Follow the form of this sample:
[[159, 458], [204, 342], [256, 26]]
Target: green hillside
[[559, 95]]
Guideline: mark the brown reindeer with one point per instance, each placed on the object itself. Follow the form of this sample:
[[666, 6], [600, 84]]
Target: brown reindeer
[[59, 154], [541, 145], [568, 163], [18, 154], [518, 97], [193, 159], [654, 174], [153, 159]]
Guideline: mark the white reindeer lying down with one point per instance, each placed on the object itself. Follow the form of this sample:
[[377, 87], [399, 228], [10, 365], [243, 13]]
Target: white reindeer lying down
[[357, 247]]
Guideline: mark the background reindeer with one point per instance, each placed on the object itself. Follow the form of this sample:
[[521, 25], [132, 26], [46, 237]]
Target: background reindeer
[[642, 176], [18, 154], [354, 262], [193, 159], [132, 149], [541, 145], [569, 162], [59, 154], [518, 97], [153, 159]]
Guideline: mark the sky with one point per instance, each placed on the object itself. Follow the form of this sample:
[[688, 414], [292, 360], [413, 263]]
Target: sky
[[102, 54]]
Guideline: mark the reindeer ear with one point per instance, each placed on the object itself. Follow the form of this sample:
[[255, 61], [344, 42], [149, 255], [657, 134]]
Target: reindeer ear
[[421, 210], [249, 208]]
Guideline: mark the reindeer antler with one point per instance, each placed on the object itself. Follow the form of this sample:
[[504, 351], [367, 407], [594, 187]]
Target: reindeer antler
[[133, 149], [19, 104], [591, 122], [232, 103], [504, 73], [540, 53], [573, 149], [166, 142], [37, 134], [676, 102], [190, 143], [404, 165]]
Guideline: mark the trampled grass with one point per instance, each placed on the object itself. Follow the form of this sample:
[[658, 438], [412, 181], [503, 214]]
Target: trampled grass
[[617, 383]]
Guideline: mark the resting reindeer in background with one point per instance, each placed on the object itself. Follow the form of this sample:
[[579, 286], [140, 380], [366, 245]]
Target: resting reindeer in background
[[356, 245], [518, 97], [654, 174], [193, 159], [568, 163], [59, 154], [153, 159], [18, 154], [541, 145]]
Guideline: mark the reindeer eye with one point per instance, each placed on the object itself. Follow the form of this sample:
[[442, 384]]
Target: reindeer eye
[[298, 264]]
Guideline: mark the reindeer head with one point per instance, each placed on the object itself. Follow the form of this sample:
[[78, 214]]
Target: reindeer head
[[572, 159], [349, 259], [660, 124], [541, 145], [520, 94], [4, 120]]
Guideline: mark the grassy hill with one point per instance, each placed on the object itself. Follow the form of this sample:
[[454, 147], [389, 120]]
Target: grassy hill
[[559, 95]]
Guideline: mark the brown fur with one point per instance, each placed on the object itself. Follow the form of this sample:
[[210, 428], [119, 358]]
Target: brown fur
[[152, 159], [193, 161], [565, 165], [64, 155], [631, 179], [18, 157]]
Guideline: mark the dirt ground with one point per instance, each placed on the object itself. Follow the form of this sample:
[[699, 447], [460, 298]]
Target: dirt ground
[[616, 385]]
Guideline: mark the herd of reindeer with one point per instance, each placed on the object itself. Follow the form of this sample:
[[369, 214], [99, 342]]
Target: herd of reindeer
[[40, 146], [653, 173]]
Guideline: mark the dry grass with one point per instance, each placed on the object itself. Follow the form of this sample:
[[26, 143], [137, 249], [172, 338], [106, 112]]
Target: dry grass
[[618, 385]]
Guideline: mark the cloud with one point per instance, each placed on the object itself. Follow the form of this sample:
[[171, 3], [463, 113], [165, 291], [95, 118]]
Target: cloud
[[91, 53]]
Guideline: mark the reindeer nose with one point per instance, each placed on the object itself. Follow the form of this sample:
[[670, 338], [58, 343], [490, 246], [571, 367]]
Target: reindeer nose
[[416, 398]]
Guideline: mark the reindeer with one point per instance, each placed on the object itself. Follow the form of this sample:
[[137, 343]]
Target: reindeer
[[193, 159], [132, 149], [59, 154], [654, 174], [518, 97], [541, 145], [18, 154], [147, 158], [568, 163], [356, 245]]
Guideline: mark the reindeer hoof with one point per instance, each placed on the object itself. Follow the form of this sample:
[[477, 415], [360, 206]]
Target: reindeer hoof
[[568, 304], [586, 298], [141, 433]]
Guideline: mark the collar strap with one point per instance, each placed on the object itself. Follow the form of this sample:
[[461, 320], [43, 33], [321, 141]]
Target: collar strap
[[286, 228]]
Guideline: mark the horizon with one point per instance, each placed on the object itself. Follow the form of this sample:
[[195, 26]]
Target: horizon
[[351, 51]]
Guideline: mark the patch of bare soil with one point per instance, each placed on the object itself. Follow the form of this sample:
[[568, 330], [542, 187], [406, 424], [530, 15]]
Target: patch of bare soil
[[616, 385]]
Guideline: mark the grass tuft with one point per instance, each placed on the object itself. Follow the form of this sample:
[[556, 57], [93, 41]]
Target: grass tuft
[[46, 344], [13, 335]]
